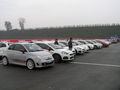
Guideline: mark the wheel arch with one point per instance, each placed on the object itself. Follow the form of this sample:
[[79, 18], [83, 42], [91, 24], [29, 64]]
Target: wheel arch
[[57, 54], [29, 59], [4, 57]]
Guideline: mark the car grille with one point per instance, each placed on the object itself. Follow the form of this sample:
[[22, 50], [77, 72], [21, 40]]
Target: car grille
[[48, 58], [71, 54], [71, 57], [49, 63]]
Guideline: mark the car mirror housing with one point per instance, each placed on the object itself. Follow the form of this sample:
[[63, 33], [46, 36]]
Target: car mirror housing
[[49, 49], [22, 50]]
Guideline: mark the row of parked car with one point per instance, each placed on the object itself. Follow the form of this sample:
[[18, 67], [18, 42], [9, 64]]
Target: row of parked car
[[45, 53]]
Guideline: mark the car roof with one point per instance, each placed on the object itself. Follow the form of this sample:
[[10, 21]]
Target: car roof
[[22, 43], [46, 42]]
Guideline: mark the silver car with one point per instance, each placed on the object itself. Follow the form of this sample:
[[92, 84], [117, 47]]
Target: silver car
[[27, 54]]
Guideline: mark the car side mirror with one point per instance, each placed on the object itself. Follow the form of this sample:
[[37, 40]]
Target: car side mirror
[[49, 49], [22, 50]]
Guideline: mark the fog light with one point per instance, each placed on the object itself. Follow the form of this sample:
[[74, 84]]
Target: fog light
[[65, 57]]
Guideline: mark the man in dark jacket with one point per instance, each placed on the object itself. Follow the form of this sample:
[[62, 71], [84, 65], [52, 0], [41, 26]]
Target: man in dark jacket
[[70, 44], [56, 41]]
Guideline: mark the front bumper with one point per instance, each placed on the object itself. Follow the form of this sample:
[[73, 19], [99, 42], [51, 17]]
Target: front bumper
[[45, 64], [81, 51], [68, 57]]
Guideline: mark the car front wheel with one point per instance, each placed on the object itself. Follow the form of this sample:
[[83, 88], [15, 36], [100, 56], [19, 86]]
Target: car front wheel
[[5, 61], [30, 64], [57, 58]]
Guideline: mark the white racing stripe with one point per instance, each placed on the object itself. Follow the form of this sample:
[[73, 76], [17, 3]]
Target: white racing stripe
[[96, 64]]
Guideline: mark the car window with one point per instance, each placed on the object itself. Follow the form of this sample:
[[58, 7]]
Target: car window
[[11, 47], [33, 47], [19, 47], [44, 46], [2, 45]]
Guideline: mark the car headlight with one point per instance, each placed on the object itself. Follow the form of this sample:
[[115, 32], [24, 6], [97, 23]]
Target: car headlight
[[65, 53], [78, 48], [39, 57]]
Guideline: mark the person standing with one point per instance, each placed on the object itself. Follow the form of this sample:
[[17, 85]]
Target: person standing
[[56, 41], [70, 44]]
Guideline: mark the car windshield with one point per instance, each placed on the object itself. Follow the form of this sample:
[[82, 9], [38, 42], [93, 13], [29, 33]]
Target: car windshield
[[55, 46], [94, 41], [86, 42], [65, 43], [90, 42], [82, 42], [62, 45], [103, 40], [79, 43], [75, 44], [33, 47]]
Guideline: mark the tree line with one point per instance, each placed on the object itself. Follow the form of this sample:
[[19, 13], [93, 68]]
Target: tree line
[[8, 24]]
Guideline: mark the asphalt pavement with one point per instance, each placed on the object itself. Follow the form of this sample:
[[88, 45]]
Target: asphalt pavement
[[96, 70]]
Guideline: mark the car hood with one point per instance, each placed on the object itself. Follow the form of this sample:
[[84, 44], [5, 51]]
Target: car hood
[[41, 54], [79, 47], [83, 45], [65, 50]]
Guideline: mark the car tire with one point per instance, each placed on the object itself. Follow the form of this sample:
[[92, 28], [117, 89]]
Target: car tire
[[76, 52], [57, 58], [5, 61], [30, 64]]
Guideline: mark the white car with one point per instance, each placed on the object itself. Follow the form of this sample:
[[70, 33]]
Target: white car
[[99, 44], [3, 47], [96, 45], [91, 46], [66, 47], [85, 47], [58, 52], [78, 49], [27, 54]]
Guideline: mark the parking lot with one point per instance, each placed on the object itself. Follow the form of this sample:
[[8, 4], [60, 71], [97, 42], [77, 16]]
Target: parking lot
[[97, 70]]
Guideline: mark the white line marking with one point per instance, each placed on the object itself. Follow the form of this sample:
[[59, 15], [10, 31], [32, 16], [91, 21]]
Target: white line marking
[[96, 64]]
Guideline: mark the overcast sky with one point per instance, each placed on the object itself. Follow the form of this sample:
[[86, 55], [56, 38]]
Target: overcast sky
[[50, 13]]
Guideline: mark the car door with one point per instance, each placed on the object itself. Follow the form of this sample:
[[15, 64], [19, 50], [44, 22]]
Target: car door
[[10, 53], [19, 56]]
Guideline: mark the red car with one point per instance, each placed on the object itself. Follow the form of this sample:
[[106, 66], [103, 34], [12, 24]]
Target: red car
[[104, 43]]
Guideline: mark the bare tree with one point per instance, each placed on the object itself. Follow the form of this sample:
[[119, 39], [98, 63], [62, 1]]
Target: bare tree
[[8, 25], [21, 23]]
